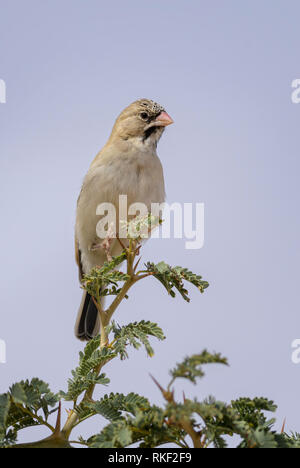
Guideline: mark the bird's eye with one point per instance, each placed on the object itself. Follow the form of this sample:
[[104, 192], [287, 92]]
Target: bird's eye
[[144, 115]]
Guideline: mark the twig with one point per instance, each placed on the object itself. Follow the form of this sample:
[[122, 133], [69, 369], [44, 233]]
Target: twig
[[36, 417]]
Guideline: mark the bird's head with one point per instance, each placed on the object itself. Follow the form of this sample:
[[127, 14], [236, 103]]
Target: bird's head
[[143, 122]]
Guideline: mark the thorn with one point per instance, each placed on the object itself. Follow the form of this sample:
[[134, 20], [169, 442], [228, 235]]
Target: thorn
[[158, 385], [138, 249], [283, 426], [137, 264], [168, 396], [58, 421]]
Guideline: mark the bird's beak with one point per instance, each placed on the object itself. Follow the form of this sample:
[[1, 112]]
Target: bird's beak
[[163, 120]]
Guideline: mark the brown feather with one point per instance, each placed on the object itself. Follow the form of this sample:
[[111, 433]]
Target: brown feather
[[78, 259]]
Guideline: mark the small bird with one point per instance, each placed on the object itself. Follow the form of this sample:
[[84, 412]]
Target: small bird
[[127, 165]]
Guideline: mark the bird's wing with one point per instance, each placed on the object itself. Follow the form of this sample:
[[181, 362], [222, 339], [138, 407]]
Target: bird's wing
[[78, 259]]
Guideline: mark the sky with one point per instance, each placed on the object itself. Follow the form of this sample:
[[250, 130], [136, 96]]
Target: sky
[[224, 71]]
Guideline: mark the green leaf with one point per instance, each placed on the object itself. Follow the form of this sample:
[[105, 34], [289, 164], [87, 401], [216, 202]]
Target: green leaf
[[86, 374], [135, 334], [191, 368], [24, 398], [115, 435], [7, 439], [34, 394], [18, 394], [4, 410], [139, 228], [148, 427], [251, 411], [103, 281], [264, 439], [291, 441], [173, 278], [112, 406]]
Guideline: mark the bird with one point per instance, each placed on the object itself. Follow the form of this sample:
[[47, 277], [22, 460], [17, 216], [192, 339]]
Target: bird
[[128, 165]]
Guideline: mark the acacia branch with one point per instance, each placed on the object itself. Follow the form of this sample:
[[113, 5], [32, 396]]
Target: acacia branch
[[36, 417]]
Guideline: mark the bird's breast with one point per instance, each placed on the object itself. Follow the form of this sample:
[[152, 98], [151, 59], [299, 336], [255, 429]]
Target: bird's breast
[[139, 177]]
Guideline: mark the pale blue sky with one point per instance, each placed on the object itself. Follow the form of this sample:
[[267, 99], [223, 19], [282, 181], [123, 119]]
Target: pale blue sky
[[223, 70]]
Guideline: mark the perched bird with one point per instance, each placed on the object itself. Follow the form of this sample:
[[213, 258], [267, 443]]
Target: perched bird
[[127, 165]]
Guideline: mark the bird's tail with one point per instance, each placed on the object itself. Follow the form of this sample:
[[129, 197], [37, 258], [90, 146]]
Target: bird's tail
[[88, 321]]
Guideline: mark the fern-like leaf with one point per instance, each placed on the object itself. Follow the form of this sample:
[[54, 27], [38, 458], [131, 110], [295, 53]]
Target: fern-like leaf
[[135, 334], [86, 373], [172, 278], [191, 367], [104, 281]]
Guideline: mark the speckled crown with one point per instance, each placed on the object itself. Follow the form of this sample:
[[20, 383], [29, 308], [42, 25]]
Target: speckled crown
[[152, 106]]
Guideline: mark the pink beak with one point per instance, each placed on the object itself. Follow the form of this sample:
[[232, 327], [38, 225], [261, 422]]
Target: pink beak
[[163, 120]]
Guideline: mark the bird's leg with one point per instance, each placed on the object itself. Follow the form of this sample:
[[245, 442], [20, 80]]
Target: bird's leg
[[95, 246], [105, 244]]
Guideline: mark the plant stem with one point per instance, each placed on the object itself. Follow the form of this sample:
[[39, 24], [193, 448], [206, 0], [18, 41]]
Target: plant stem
[[36, 417], [115, 304], [186, 425], [105, 318]]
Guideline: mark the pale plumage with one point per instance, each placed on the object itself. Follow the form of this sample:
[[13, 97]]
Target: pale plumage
[[127, 165]]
